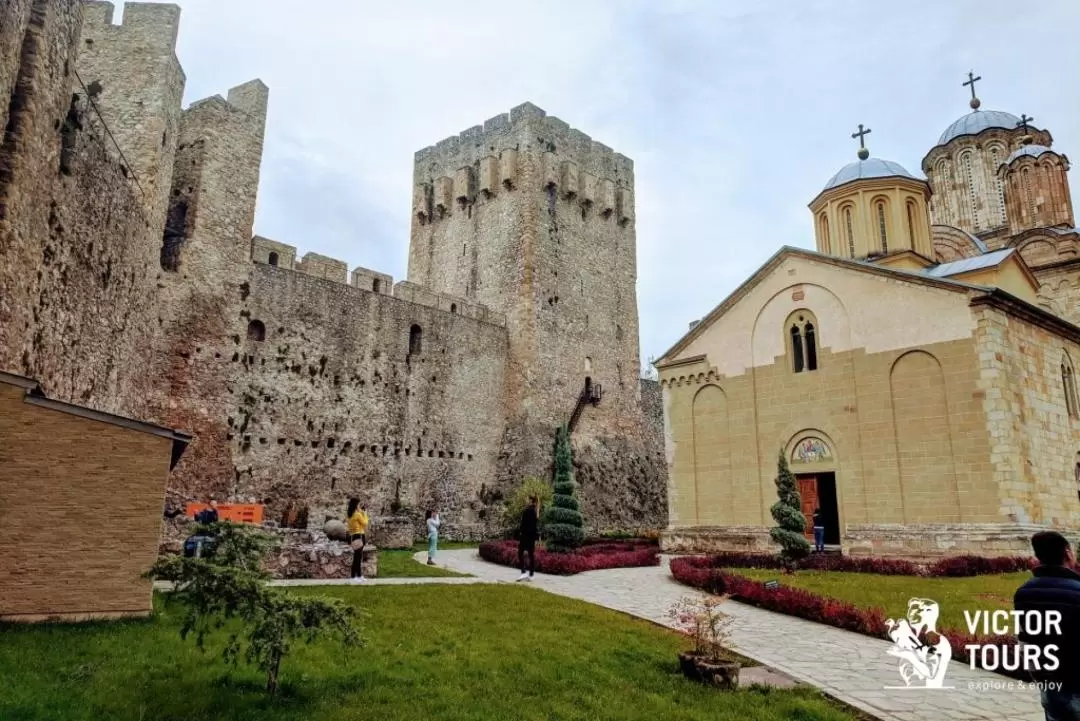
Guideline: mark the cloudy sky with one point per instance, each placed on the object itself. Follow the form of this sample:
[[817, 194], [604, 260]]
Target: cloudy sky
[[735, 117]]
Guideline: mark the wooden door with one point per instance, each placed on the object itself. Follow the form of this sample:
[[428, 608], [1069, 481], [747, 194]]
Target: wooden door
[[808, 491]]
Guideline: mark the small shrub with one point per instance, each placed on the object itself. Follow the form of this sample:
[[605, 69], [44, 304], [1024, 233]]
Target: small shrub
[[787, 512], [564, 526], [511, 518], [703, 621], [230, 584]]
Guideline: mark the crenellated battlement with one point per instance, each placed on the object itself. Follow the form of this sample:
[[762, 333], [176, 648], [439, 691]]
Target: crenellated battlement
[[147, 24], [485, 161], [248, 101], [282, 255]]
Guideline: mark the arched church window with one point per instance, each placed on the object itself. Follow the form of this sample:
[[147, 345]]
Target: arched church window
[[273, 258], [882, 232], [1068, 386], [969, 181], [826, 244], [796, 349], [802, 335], [811, 346], [996, 153], [1029, 193], [911, 222], [850, 231]]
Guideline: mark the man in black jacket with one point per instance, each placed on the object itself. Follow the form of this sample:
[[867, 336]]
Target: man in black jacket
[[1055, 587], [530, 522]]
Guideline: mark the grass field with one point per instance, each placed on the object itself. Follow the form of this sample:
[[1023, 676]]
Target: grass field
[[891, 593], [400, 564], [450, 653]]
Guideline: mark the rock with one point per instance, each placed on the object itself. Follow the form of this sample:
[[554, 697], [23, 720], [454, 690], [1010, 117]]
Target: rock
[[336, 530], [393, 532]]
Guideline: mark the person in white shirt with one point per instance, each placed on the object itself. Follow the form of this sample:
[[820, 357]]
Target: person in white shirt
[[432, 536]]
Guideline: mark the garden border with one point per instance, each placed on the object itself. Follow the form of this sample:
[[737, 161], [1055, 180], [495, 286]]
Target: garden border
[[709, 574], [590, 557]]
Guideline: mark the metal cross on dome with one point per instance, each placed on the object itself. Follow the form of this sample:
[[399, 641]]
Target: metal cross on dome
[[1024, 120], [972, 79], [861, 134]]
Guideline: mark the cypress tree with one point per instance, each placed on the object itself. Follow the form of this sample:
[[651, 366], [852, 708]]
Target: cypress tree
[[787, 512], [564, 525]]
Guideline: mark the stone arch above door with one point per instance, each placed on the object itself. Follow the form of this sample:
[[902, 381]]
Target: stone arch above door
[[810, 450]]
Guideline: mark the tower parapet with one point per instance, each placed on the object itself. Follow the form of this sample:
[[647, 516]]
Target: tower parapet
[[215, 181], [132, 75]]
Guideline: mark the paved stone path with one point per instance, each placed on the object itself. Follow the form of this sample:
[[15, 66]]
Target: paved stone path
[[851, 667]]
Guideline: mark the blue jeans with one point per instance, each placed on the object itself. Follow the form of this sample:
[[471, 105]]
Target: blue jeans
[[819, 538], [432, 545], [1061, 705]]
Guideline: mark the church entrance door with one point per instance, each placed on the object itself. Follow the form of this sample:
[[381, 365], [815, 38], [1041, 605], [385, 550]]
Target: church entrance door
[[819, 491]]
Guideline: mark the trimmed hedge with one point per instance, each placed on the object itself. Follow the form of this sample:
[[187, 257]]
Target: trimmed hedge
[[589, 557], [709, 574], [955, 567]]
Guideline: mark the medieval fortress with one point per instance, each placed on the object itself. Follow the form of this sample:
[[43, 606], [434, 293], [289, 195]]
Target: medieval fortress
[[130, 282]]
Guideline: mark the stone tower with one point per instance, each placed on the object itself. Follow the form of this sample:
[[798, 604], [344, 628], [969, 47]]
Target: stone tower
[[536, 220]]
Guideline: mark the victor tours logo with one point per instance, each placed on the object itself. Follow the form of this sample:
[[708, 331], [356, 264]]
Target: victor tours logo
[[923, 652]]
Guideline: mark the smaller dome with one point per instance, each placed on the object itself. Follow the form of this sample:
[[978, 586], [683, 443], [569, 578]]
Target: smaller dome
[[869, 168], [1032, 150], [977, 121]]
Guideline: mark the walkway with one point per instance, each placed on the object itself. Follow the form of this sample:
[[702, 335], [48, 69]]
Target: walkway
[[851, 667]]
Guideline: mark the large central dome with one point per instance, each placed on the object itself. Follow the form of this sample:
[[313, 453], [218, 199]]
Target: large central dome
[[977, 121], [869, 168]]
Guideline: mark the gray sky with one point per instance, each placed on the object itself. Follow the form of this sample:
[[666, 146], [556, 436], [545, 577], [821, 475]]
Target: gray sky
[[734, 117]]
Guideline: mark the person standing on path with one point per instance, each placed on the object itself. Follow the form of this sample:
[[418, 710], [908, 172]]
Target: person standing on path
[[358, 523], [530, 526], [819, 532], [432, 536], [1055, 587]]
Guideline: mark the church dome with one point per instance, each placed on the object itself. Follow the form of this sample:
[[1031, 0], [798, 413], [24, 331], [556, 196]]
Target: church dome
[[1032, 150], [869, 168], [977, 121]]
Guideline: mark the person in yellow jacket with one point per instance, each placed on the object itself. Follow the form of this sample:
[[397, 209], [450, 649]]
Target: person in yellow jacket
[[358, 523]]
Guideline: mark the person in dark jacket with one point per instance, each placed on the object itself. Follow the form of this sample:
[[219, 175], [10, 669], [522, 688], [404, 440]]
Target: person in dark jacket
[[1055, 586], [819, 532], [530, 529]]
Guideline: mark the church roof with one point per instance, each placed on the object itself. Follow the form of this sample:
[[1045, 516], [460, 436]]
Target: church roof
[[977, 121], [1033, 150], [869, 168], [966, 265]]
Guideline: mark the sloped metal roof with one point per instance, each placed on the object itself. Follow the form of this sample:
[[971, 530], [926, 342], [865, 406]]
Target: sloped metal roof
[[966, 265]]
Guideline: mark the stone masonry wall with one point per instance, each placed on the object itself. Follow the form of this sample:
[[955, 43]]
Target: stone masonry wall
[[336, 401], [536, 220], [137, 84], [76, 286], [1035, 443]]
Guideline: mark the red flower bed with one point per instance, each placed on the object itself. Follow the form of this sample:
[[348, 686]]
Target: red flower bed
[[590, 557], [955, 567], [707, 574]]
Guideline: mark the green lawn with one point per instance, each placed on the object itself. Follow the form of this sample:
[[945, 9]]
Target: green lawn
[[891, 593], [400, 563], [455, 653]]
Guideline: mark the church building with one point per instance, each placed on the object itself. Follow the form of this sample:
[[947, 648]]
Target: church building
[[917, 371]]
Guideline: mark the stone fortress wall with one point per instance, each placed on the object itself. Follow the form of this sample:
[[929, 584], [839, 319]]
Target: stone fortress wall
[[137, 287]]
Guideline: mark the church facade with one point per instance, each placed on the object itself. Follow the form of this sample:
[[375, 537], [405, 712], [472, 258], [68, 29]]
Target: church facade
[[917, 371]]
